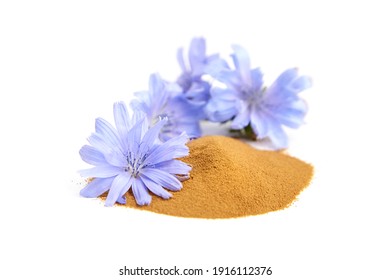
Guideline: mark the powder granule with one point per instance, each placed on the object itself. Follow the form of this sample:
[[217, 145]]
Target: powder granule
[[231, 179]]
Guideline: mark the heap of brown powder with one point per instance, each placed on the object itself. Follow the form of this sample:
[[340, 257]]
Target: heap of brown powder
[[231, 179]]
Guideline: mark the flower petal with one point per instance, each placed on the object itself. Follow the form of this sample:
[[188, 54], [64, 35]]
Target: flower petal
[[101, 171], [112, 154], [121, 200], [277, 134], [104, 128], [116, 158], [227, 94], [155, 188], [242, 63], [184, 108], [151, 136], [192, 129], [242, 119], [120, 182], [287, 76], [173, 148], [174, 166], [96, 187], [215, 66], [140, 192], [291, 114], [142, 102], [98, 142], [197, 56], [301, 83], [162, 178], [156, 84], [218, 110], [92, 156], [229, 77], [122, 120], [158, 95], [259, 124], [198, 92], [180, 59], [134, 137], [197, 49], [257, 79]]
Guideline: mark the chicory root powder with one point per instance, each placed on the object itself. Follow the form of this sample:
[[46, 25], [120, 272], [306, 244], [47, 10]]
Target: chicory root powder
[[231, 179]]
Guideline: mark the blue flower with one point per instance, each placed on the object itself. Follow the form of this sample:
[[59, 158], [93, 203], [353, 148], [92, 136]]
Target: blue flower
[[129, 156], [246, 102], [165, 100], [194, 87]]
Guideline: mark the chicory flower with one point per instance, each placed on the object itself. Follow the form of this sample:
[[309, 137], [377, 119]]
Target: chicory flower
[[129, 156], [199, 64], [247, 103], [165, 100]]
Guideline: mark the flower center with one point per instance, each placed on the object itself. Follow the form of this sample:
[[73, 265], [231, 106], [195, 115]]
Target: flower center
[[251, 96], [134, 164]]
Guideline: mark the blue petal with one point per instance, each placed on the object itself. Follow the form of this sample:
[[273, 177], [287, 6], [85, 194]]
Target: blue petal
[[186, 117], [153, 102], [173, 148], [112, 154], [242, 119], [266, 125], [162, 178], [287, 76], [291, 114], [242, 64], [183, 108], [258, 123], [286, 87], [215, 66], [174, 166], [119, 184], [277, 134], [197, 55], [134, 137], [228, 94], [122, 120], [116, 158], [105, 129], [257, 80], [229, 78], [101, 171], [179, 142], [98, 142], [92, 156], [197, 49], [142, 102], [140, 192], [121, 200], [192, 129], [301, 83], [156, 84], [198, 92], [218, 110], [158, 94], [151, 136], [184, 81], [180, 59], [212, 57], [96, 187], [155, 188], [173, 89]]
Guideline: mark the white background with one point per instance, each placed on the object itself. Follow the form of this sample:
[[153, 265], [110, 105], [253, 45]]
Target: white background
[[64, 63]]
